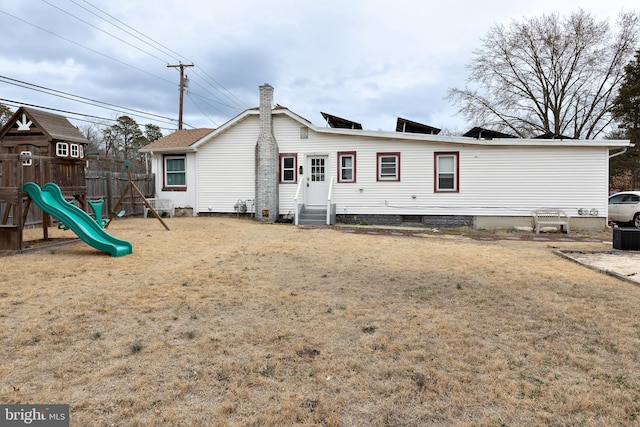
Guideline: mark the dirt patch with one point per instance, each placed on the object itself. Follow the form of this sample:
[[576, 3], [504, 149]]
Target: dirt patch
[[485, 235], [224, 321]]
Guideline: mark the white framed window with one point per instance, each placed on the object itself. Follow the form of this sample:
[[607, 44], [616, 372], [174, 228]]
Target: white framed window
[[175, 172], [288, 166], [388, 166], [62, 149], [81, 151], [75, 150], [25, 156], [446, 172], [347, 166]]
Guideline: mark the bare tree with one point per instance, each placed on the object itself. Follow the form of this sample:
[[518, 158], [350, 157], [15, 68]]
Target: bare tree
[[93, 134], [548, 75]]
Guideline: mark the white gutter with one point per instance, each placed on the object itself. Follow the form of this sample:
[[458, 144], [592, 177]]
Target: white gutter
[[624, 150]]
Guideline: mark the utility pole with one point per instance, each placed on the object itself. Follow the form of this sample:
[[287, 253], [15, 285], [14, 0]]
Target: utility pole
[[182, 67]]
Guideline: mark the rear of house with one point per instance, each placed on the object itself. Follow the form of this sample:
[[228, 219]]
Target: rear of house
[[359, 176]]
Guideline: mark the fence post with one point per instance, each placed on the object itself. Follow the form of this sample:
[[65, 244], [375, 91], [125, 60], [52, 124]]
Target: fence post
[[108, 195]]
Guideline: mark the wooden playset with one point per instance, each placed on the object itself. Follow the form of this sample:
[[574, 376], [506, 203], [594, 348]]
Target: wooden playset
[[39, 147], [47, 150]]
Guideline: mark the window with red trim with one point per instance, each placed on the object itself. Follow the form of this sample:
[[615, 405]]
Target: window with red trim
[[288, 166], [347, 166], [388, 166], [175, 173], [446, 172]]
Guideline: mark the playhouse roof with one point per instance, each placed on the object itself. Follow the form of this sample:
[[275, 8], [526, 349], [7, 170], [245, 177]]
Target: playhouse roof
[[54, 126]]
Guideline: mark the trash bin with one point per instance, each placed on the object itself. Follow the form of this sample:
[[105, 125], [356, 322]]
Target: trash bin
[[626, 239]]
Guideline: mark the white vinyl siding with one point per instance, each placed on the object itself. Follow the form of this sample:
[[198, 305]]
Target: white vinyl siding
[[226, 168], [508, 180], [493, 180]]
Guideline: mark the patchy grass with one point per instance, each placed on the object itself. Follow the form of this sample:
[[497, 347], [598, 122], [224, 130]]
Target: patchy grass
[[222, 321]]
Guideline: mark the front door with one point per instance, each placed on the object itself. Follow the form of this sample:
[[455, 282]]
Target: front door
[[317, 180]]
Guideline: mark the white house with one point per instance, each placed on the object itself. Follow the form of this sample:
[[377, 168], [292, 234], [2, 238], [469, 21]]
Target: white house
[[278, 164]]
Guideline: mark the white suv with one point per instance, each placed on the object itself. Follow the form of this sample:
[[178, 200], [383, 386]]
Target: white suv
[[624, 207]]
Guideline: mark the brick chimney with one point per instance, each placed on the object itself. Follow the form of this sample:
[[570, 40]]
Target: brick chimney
[[266, 203]]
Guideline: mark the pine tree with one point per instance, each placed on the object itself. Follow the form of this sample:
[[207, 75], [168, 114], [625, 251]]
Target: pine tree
[[626, 111]]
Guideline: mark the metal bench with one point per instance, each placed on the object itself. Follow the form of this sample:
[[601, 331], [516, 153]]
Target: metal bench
[[550, 217]]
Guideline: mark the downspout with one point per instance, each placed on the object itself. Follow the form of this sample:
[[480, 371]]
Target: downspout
[[195, 185], [624, 150], [154, 167]]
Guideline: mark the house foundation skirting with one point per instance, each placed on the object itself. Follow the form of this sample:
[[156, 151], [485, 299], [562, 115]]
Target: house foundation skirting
[[580, 223], [435, 221]]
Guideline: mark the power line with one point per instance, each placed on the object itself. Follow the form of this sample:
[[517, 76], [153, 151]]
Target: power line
[[234, 100], [17, 104], [89, 101], [198, 107], [103, 31], [228, 93], [214, 95], [131, 28], [85, 47], [209, 102]]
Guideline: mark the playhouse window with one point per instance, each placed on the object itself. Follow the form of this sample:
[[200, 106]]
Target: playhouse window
[[446, 172], [62, 149], [388, 166], [347, 166], [175, 171], [75, 150], [288, 166]]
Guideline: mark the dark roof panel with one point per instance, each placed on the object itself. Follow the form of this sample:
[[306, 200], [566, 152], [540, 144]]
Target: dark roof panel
[[337, 122], [404, 125], [481, 133], [551, 135]]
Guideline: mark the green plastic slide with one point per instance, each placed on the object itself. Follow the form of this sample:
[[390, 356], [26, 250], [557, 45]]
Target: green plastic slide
[[50, 200]]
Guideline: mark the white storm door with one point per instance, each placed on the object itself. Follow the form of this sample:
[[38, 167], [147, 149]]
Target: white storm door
[[317, 180]]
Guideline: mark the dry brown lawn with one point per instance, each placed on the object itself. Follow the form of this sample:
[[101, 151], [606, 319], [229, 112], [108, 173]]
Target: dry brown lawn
[[223, 321]]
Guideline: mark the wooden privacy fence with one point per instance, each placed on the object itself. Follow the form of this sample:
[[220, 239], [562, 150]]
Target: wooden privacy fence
[[109, 186], [106, 180]]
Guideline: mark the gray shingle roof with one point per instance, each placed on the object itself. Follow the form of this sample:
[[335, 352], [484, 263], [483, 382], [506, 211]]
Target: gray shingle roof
[[179, 139]]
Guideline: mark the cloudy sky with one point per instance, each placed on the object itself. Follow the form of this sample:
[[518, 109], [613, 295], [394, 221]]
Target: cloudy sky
[[369, 61]]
